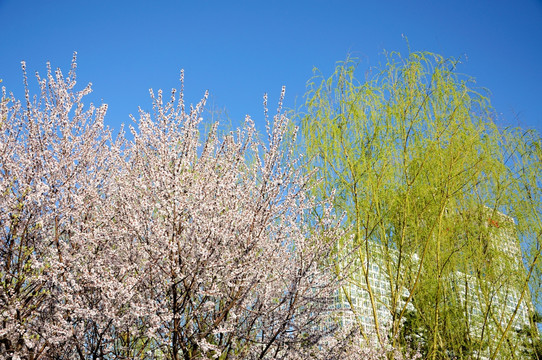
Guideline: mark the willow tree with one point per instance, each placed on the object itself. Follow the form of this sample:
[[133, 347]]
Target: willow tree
[[425, 177]]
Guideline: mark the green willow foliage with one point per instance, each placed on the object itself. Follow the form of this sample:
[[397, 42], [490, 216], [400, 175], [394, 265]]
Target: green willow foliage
[[424, 175]]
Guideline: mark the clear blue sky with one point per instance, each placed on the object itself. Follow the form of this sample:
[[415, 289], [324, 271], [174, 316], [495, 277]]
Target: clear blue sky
[[242, 49]]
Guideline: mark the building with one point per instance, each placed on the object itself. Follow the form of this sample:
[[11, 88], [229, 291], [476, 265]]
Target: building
[[367, 297]]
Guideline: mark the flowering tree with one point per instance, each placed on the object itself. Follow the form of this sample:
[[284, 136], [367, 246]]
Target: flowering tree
[[229, 267], [55, 168], [163, 247]]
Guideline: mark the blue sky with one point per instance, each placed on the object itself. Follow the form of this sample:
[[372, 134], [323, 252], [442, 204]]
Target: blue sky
[[241, 49]]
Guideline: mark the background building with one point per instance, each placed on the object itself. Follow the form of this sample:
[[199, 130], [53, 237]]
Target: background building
[[483, 300]]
